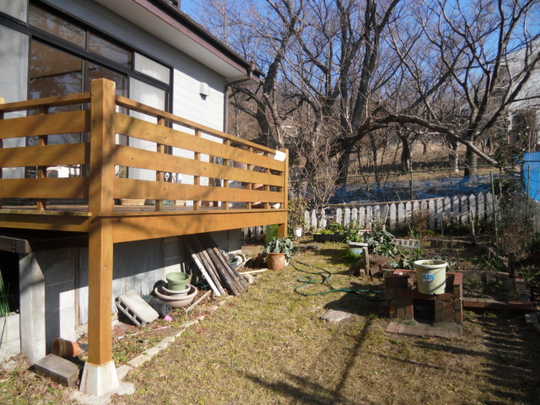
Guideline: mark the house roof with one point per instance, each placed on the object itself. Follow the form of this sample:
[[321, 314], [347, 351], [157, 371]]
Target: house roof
[[163, 20]]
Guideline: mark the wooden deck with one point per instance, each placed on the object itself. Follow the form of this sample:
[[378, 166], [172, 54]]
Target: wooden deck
[[236, 183], [247, 183]]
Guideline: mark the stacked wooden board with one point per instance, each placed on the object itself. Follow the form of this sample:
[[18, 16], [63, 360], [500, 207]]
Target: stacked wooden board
[[214, 265]]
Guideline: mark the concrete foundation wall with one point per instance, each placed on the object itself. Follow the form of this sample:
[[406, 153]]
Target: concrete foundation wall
[[54, 285], [10, 340]]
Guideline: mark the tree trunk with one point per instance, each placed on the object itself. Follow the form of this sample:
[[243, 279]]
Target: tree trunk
[[406, 158], [343, 167], [454, 157], [471, 164]]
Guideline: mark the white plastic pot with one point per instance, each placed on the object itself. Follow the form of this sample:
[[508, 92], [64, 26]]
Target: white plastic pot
[[431, 276]]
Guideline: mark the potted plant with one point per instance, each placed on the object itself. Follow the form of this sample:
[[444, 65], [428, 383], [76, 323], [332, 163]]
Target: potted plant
[[355, 241], [279, 251], [381, 242], [177, 280]]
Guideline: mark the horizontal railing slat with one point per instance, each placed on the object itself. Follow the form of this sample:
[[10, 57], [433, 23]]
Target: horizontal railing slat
[[45, 124], [129, 188], [56, 101], [51, 155], [137, 128], [49, 188], [134, 105], [143, 159]]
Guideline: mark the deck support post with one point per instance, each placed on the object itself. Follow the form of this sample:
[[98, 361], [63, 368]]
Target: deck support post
[[99, 375], [285, 189]]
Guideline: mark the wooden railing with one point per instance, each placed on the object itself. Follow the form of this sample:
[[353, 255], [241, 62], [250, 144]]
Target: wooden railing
[[241, 174], [39, 157]]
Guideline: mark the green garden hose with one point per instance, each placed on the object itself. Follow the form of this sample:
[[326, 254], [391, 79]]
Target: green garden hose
[[325, 278]]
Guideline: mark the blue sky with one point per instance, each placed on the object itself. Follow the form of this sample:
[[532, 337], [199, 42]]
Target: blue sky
[[191, 7]]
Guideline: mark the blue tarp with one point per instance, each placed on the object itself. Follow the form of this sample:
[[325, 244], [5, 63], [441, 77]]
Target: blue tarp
[[531, 174]]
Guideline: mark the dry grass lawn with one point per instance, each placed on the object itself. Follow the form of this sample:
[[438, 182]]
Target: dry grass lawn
[[270, 347]]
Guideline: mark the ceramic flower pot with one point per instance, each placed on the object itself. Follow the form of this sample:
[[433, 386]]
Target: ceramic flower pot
[[276, 261], [178, 280], [175, 301]]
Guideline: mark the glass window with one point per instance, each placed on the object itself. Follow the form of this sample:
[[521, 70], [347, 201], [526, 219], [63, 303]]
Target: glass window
[[53, 72], [55, 25], [151, 68], [98, 71], [108, 50]]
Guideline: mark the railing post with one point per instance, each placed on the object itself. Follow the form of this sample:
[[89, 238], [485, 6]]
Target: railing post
[[226, 183], [160, 176], [99, 374], [283, 226], [250, 185], [42, 170], [2, 101], [197, 179]]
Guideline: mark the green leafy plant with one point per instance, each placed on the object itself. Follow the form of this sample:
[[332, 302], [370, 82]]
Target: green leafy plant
[[335, 227], [4, 298], [381, 242], [280, 245], [407, 258], [353, 233]]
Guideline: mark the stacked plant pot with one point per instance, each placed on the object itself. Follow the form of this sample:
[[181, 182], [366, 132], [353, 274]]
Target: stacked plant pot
[[179, 292]]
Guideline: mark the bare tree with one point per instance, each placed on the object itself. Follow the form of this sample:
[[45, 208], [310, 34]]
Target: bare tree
[[486, 48]]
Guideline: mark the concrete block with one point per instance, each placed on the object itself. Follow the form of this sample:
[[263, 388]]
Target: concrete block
[[136, 309], [59, 369]]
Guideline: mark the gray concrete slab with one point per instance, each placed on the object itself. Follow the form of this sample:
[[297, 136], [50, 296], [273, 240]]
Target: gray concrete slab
[[59, 369]]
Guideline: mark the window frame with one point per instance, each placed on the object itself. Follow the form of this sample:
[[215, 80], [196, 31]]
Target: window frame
[[47, 38]]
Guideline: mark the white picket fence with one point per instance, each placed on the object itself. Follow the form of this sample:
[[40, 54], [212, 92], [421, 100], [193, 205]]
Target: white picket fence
[[439, 212]]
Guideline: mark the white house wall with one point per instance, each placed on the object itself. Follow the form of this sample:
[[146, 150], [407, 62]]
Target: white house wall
[[189, 103], [13, 78], [15, 8]]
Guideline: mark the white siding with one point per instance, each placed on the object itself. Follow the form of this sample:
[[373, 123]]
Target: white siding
[[154, 97], [190, 104]]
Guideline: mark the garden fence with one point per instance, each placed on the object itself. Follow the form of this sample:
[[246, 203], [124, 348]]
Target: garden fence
[[438, 212]]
